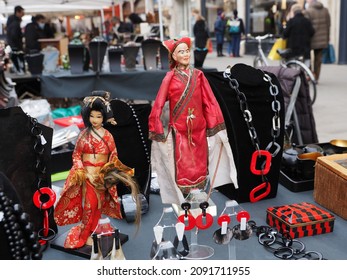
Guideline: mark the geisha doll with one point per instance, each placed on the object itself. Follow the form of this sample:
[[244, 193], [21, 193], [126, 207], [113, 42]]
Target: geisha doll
[[90, 189], [195, 153]]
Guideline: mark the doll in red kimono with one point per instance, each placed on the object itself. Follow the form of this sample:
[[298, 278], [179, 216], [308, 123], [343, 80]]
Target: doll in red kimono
[[91, 186], [196, 149]]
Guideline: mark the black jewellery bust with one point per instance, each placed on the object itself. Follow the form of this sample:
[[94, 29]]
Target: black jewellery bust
[[260, 105]]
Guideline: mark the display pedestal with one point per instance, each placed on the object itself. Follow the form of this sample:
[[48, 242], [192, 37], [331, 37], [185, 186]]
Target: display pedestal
[[198, 251], [85, 251]]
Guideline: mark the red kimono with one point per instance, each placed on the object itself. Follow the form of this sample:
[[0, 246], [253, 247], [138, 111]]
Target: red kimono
[[194, 115], [85, 200]]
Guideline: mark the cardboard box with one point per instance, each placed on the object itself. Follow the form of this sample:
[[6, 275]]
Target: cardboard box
[[300, 219], [330, 183]]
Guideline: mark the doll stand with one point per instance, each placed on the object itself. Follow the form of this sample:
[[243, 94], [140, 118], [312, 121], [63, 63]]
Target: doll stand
[[85, 251]]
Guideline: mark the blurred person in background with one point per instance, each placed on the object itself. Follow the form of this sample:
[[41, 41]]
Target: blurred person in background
[[219, 29], [122, 30], [298, 32], [49, 29], [14, 37], [200, 30], [8, 95], [320, 18], [33, 32], [236, 28]]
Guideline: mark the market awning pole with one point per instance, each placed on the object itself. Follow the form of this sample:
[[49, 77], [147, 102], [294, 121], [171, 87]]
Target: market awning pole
[[160, 21], [121, 10], [102, 29]]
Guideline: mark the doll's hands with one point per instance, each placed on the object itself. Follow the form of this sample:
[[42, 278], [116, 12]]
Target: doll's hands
[[157, 137], [78, 177], [117, 165]]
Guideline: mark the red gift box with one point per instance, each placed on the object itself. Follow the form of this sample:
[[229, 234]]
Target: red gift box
[[300, 219]]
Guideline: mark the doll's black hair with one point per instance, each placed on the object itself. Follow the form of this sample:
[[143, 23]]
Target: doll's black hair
[[99, 101], [97, 104]]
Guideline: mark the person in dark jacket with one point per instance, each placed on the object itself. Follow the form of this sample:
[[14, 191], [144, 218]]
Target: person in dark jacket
[[122, 30], [33, 32], [14, 37], [236, 28], [200, 30], [219, 29], [298, 32]]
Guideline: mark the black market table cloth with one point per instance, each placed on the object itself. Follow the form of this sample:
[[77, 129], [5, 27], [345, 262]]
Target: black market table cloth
[[137, 84]]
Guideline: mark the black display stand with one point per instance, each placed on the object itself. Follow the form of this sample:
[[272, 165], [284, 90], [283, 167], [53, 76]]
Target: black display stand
[[97, 50], [134, 149], [256, 90], [114, 58], [85, 251], [130, 55], [19, 159], [150, 50], [35, 63], [164, 57], [76, 57]]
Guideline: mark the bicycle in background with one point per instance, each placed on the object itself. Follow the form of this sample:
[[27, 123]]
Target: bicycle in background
[[287, 60], [260, 59]]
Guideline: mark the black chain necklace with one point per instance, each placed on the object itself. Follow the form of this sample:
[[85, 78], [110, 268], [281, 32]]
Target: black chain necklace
[[262, 157], [44, 198]]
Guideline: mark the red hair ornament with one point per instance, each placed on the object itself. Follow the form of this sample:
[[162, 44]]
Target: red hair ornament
[[172, 44]]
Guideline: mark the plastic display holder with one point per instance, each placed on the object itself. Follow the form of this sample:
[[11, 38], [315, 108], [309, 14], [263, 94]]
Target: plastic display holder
[[164, 233], [231, 212], [198, 251], [197, 199]]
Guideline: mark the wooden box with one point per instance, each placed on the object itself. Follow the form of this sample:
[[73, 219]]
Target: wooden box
[[300, 219], [59, 43], [330, 183]]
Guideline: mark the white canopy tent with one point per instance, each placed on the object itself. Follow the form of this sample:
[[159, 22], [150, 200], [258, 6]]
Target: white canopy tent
[[45, 6], [40, 6], [58, 6]]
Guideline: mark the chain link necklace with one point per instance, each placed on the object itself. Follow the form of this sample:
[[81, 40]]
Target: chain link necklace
[[260, 157], [44, 197]]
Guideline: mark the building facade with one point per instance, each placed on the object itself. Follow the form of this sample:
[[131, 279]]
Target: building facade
[[260, 16]]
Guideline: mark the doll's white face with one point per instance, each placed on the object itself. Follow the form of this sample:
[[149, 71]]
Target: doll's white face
[[96, 119], [182, 55]]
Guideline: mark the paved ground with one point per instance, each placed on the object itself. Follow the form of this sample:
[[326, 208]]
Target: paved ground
[[330, 107]]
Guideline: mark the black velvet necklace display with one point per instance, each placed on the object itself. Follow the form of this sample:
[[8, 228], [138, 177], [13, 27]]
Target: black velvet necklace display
[[26, 165], [259, 100], [131, 138]]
